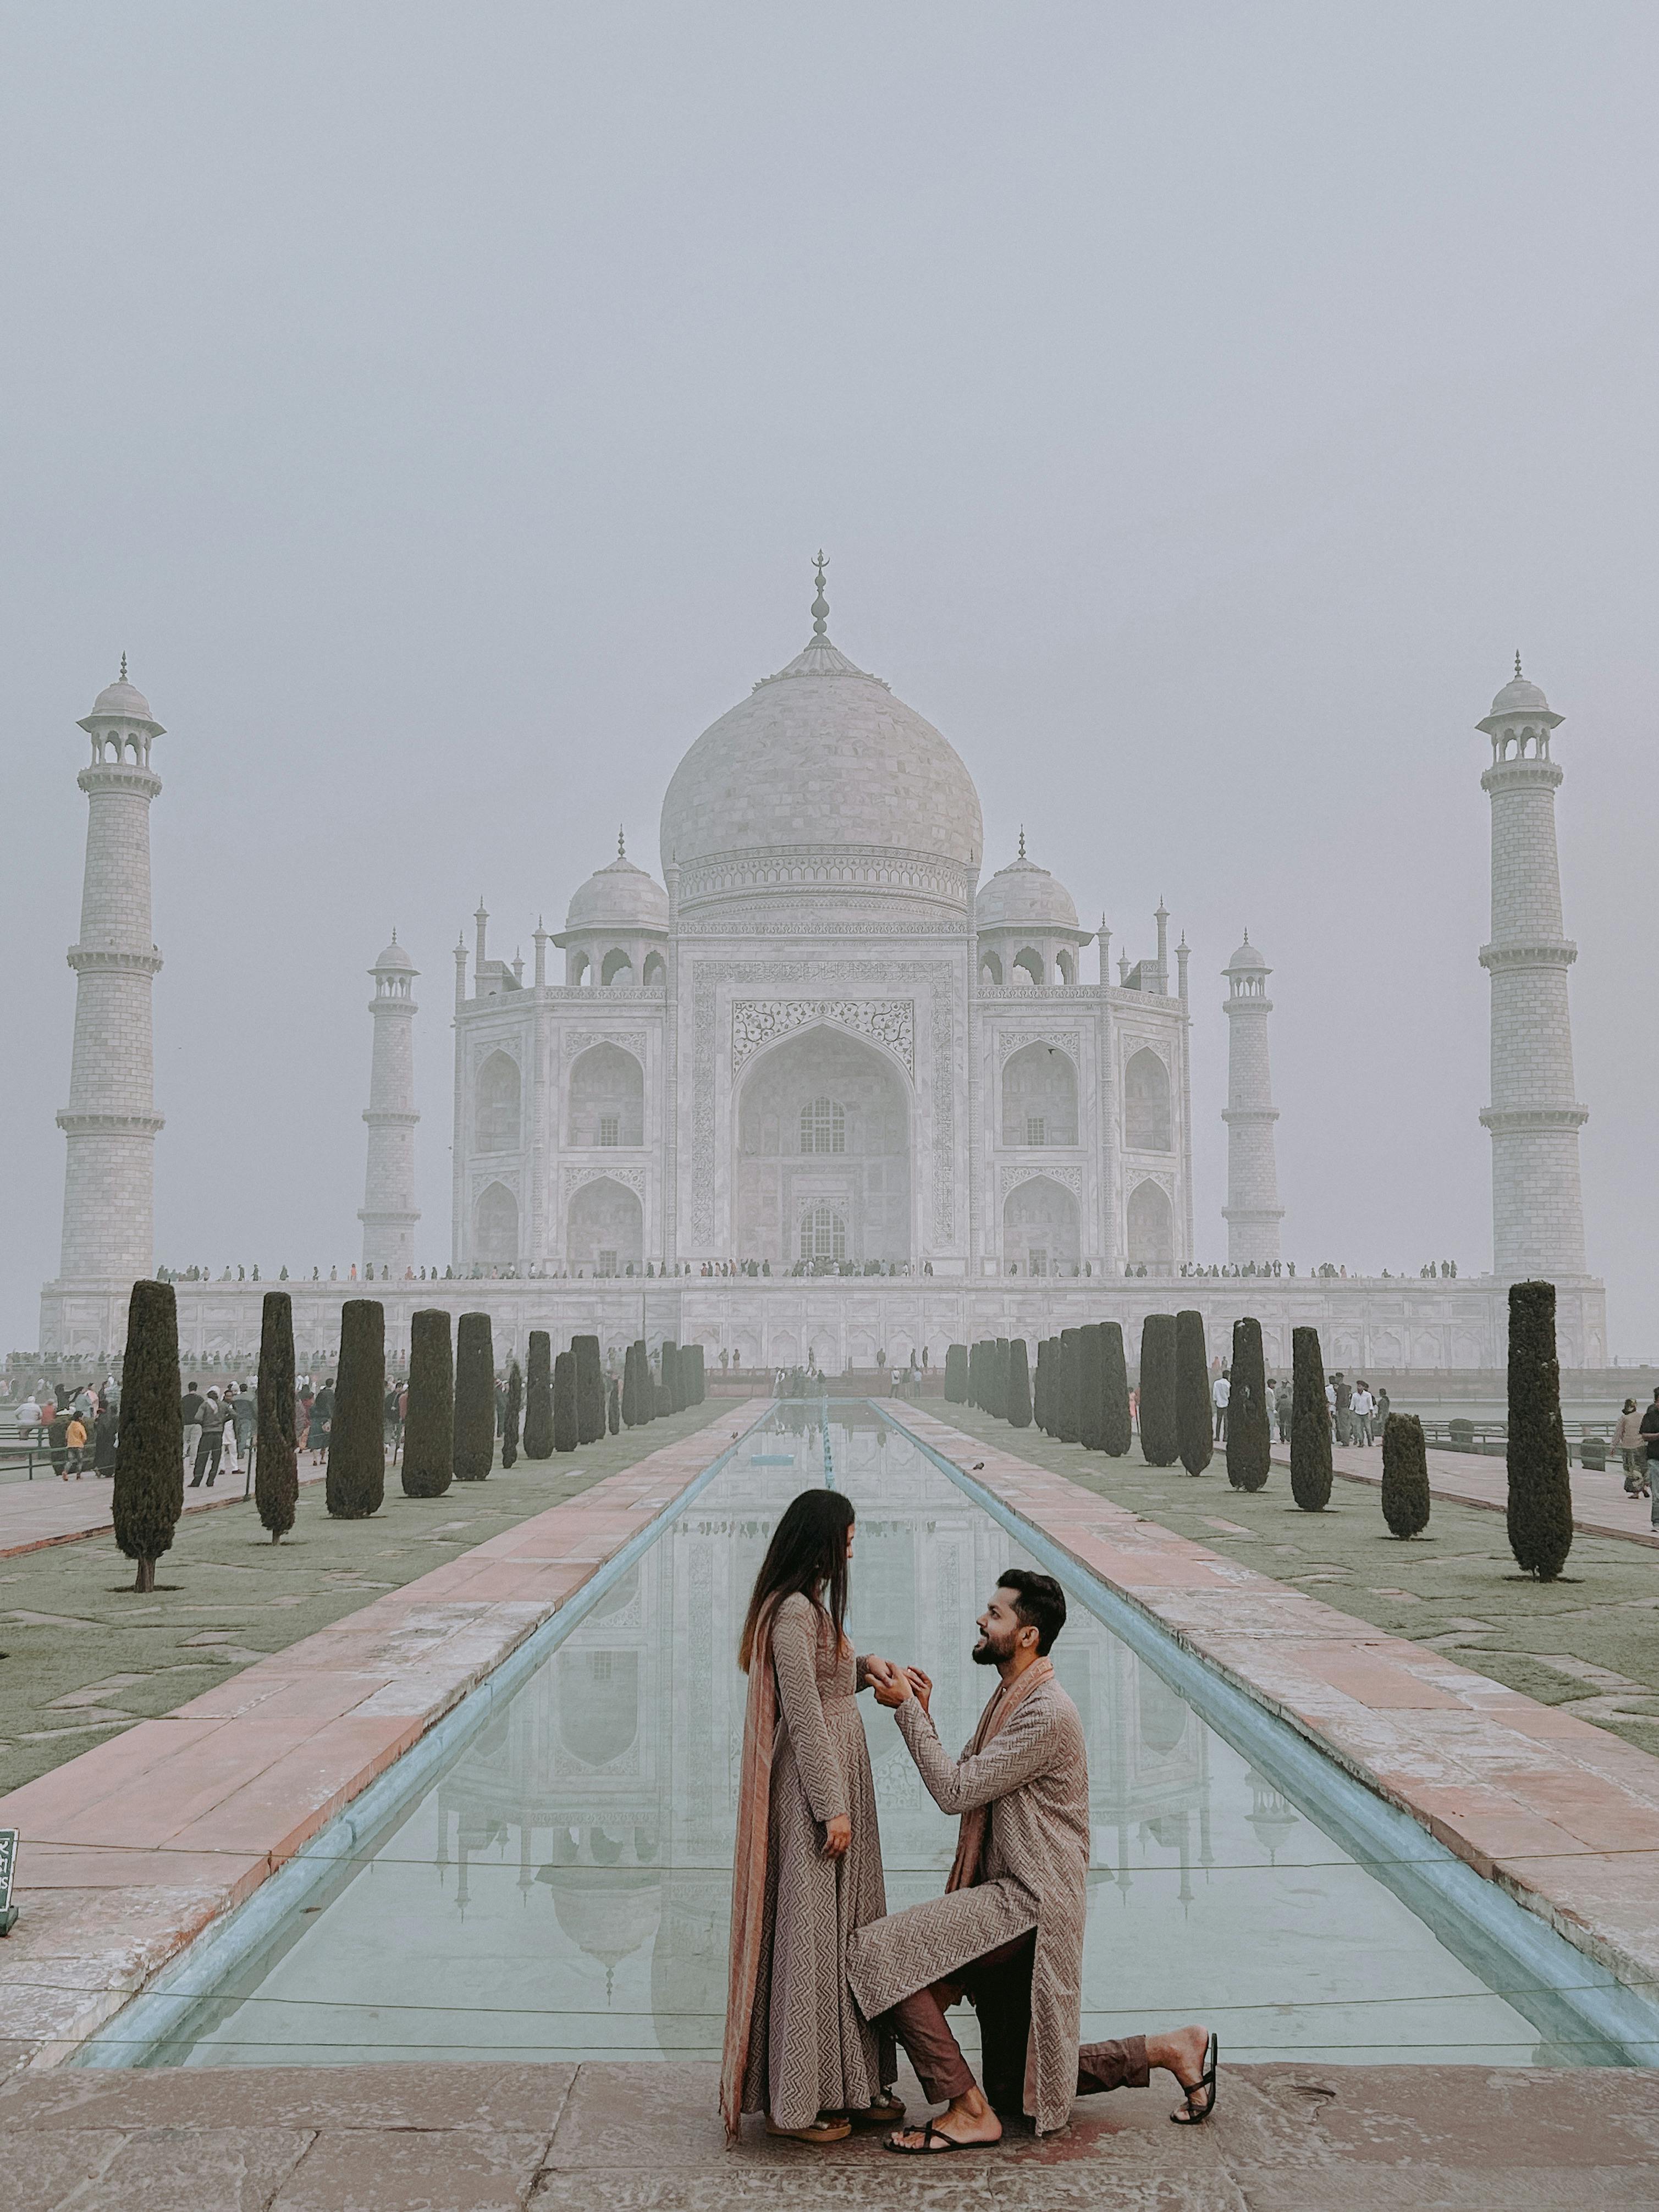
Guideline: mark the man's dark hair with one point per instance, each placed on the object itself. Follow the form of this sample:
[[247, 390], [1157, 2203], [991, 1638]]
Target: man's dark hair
[[1042, 1604]]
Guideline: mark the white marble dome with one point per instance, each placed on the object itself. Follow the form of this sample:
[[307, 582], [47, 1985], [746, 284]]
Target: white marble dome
[[819, 758], [618, 897], [123, 701], [1023, 895], [395, 956], [1247, 960]]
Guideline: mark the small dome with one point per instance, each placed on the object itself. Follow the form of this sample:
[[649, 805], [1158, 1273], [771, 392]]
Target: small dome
[[122, 700], [619, 897], [1249, 959], [395, 956], [1519, 696], [1023, 895]]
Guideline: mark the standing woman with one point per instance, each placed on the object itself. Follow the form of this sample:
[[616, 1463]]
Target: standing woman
[[808, 1863], [104, 1438]]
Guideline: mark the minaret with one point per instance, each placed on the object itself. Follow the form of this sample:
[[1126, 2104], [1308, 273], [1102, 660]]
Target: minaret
[[1537, 1210], [1253, 1211], [110, 1120], [388, 1213]]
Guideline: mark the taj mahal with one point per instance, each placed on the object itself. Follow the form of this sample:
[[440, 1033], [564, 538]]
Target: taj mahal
[[832, 1087]]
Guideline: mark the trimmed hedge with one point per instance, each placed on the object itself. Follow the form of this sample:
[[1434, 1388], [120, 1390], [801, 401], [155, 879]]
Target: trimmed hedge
[[1116, 1430], [956, 1375], [1540, 1491], [475, 1398], [1249, 1417], [644, 1385], [149, 1453], [699, 1389], [1406, 1499], [1068, 1381], [353, 1485], [613, 1406], [1091, 1388], [1193, 1406], [276, 1461], [510, 1417], [566, 1425], [1039, 1386], [429, 1426], [1018, 1413], [539, 1398], [590, 1389], [1160, 1439], [1310, 1424]]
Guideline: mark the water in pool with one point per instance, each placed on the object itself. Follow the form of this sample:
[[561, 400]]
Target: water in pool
[[562, 1890]]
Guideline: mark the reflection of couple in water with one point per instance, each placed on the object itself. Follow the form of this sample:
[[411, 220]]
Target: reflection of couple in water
[[824, 1981]]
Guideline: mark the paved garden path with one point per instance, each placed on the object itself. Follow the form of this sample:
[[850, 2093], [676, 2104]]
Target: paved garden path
[[1600, 1504], [643, 2137], [50, 1512]]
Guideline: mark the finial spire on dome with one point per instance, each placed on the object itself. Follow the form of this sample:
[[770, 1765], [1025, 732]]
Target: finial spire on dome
[[1517, 660], [820, 604], [622, 848], [1022, 841], [124, 668]]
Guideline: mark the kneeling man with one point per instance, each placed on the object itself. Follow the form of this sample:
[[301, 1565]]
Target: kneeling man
[[1008, 1933]]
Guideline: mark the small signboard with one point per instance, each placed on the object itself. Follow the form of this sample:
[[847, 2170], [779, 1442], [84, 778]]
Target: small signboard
[[8, 1871]]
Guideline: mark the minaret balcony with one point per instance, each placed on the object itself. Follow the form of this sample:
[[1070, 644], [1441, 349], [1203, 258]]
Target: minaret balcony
[[1538, 952], [95, 960], [1507, 1119]]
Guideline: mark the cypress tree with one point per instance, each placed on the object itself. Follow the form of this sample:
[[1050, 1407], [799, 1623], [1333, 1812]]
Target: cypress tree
[[668, 1360], [149, 1453], [1310, 1424], [429, 1427], [1039, 1386], [590, 1389], [1249, 1418], [1541, 1492], [1405, 1476], [613, 1406], [539, 1398], [1091, 1388], [1116, 1430], [956, 1373], [630, 1380], [275, 1470], [699, 1390], [1066, 1394], [354, 1485], [475, 1398], [1018, 1412], [1160, 1439], [644, 1388], [510, 1419], [566, 1430], [1193, 1391]]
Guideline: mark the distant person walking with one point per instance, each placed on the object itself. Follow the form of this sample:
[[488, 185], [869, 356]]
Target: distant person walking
[[191, 1407], [1283, 1406], [1221, 1390], [211, 1440], [1627, 1438], [322, 1414], [1360, 1414], [74, 1436], [1379, 1419], [104, 1438], [1650, 1431], [245, 1418], [1341, 1407]]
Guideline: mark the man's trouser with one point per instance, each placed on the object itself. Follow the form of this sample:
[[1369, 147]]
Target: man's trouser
[[192, 1438], [1221, 1424], [207, 1457], [1001, 1986]]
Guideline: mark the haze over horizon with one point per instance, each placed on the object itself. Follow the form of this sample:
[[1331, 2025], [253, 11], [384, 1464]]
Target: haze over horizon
[[1199, 409]]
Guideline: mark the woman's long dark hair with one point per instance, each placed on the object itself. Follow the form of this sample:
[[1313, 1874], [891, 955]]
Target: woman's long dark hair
[[807, 1554]]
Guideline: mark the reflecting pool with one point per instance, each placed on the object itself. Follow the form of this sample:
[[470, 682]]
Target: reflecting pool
[[561, 1890]]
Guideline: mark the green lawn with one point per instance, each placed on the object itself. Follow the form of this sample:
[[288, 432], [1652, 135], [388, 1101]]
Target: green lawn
[[1590, 1640], [82, 1658]]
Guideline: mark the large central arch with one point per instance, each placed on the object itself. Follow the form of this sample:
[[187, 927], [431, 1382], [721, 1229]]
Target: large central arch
[[822, 1127]]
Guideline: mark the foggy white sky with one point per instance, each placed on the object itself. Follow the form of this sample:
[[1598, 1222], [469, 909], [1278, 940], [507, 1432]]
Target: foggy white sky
[[1198, 404]]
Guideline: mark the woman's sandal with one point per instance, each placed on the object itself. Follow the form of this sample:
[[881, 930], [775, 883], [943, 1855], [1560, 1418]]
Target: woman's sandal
[[821, 2131], [880, 2112], [1192, 2115], [934, 2141]]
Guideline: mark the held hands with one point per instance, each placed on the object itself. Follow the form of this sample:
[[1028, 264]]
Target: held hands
[[922, 1685], [891, 1684], [837, 1837]]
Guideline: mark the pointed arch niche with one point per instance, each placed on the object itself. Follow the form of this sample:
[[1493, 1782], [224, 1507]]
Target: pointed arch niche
[[823, 1122]]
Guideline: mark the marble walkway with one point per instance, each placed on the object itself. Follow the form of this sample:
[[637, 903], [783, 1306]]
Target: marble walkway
[[1600, 1506], [130, 1850], [1563, 1814], [645, 2138], [49, 1511]]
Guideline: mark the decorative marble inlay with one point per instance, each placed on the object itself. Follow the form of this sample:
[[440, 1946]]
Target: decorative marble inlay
[[889, 1021], [572, 1179], [577, 1041], [1070, 1178]]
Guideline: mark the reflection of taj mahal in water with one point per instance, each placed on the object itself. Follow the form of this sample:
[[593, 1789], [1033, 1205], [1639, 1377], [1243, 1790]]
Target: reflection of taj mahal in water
[[629, 1739], [843, 1090]]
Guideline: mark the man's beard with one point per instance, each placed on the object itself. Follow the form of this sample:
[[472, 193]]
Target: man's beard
[[987, 1654]]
